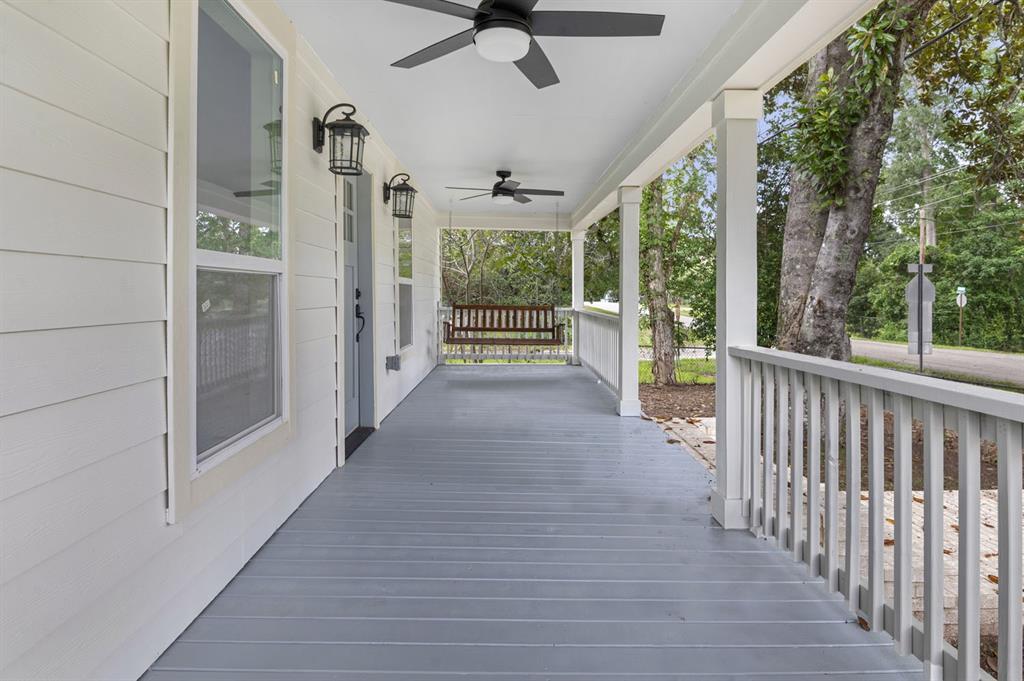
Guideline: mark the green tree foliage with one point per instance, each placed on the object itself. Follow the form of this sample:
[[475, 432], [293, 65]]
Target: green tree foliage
[[601, 255], [227, 235], [506, 267]]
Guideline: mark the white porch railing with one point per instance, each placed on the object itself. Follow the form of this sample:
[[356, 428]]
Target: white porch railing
[[507, 353], [792, 408], [597, 338]]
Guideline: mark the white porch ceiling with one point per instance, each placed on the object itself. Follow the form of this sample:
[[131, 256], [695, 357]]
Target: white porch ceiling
[[456, 120], [625, 108]]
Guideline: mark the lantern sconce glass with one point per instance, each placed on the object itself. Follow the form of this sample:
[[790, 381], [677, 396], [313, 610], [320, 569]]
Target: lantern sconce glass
[[273, 129], [404, 196], [347, 141]]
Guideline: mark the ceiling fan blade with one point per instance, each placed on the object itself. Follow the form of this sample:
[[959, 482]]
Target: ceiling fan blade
[[596, 24], [537, 68], [541, 192], [470, 189], [520, 7], [519, 198], [475, 196], [439, 49], [510, 185], [442, 6]]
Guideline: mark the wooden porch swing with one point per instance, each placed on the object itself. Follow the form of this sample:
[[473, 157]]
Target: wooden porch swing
[[504, 325]]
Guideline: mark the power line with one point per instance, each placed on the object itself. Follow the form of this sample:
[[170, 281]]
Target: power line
[[930, 204], [930, 177], [937, 187], [909, 239]]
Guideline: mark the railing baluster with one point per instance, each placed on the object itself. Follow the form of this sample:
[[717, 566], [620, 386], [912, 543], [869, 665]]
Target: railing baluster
[[832, 483], [853, 496], [768, 519], [1008, 441], [902, 428], [782, 470], [934, 612], [746, 443], [796, 481], [876, 510], [756, 466], [813, 477], [968, 574]]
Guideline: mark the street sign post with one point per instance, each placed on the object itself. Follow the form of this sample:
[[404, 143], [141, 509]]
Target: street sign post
[[961, 302], [920, 295]]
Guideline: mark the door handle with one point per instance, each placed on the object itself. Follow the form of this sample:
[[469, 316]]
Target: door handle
[[362, 322]]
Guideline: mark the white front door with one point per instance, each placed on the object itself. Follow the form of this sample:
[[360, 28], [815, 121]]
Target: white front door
[[352, 316]]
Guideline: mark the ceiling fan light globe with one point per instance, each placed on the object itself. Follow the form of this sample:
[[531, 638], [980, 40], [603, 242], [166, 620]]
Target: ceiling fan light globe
[[502, 199], [502, 43]]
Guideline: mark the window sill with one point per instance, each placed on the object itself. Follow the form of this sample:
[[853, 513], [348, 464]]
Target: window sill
[[237, 447]]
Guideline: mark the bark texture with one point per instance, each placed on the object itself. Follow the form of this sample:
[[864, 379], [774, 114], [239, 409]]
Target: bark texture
[[656, 292], [815, 294], [806, 216]]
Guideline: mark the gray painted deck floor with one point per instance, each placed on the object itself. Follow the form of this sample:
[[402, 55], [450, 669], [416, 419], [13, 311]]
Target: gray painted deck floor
[[505, 524]]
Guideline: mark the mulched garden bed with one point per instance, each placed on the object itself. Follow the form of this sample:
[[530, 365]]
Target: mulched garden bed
[[697, 401], [678, 400]]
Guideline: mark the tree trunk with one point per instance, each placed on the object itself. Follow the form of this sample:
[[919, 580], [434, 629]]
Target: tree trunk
[[806, 216], [822, 320], [659, 311]]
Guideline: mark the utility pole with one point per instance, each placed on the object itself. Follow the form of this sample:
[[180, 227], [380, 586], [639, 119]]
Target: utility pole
[[922, 241], [920, 296]]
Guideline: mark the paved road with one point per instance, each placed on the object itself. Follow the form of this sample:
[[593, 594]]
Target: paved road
[[995, 366]]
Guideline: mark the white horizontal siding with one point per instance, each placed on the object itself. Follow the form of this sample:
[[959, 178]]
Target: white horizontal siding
[[47, 519], [152, 14], [93, 582], [315, 323], [52, 292], [314, 261], [43, 444], [39, 138], [314, 230], [67, 583], [107, 31], [39, 215], [44, 64], [53, 366]]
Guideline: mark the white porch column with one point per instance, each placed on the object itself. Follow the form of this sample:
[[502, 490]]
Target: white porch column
[[629, 300], [734, 115], [578, 239]]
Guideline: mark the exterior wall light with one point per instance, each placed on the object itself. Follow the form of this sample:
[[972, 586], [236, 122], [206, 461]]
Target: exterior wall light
[[404, 196], [273, 129], [347, 140]]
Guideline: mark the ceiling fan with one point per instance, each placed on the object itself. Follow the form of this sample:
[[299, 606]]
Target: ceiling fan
[[505, 31], [505, 191]]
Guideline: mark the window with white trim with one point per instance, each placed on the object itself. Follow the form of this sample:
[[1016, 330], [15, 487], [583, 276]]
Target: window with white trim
[[403, 240], [238, 259]]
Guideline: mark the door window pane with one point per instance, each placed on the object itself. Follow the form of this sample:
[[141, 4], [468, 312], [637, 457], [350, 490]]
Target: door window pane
[[404, 315], [405, 248], [239, 128], [237, 373]]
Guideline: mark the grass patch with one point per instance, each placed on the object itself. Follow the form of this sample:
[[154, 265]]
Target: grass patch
[[505, 361], [689, 371], [948, 375]]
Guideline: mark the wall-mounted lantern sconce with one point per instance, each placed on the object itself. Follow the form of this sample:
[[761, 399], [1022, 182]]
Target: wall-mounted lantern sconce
[[404, 196], [273, 129], [347, 138]]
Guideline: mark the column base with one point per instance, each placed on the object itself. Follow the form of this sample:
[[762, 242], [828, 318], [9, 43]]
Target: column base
[[727, 512], [628, 408]]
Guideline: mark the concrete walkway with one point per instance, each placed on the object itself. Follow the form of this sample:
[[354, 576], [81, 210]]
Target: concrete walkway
[[504, 524], [991, 366]]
